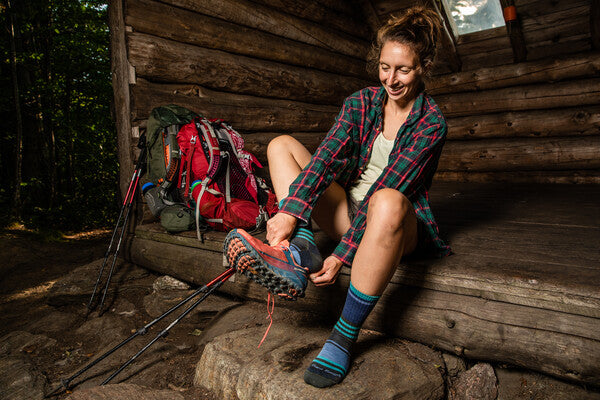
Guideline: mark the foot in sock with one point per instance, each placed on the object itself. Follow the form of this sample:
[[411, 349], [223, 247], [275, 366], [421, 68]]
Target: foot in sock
[[304, 249], [332, 363]]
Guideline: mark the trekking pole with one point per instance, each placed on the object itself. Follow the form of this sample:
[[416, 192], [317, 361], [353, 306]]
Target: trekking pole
[[65, 383], [127, 204], [217, 283]]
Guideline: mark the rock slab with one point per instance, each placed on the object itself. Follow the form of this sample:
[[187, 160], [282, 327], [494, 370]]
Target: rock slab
[[234, 368], [124, 391]]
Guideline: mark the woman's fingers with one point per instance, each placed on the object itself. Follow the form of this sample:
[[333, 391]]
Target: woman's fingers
[[329, 273], [280, 227]]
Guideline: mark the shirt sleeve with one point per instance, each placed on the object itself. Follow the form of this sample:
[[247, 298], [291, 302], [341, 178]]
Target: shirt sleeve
[[331, 157], [405, 172]]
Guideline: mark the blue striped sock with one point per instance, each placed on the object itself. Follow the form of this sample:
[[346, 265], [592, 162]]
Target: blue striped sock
[[303, 247], [331, 365]]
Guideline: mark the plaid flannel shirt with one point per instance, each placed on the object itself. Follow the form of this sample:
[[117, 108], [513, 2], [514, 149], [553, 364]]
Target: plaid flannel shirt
[[345, 152]]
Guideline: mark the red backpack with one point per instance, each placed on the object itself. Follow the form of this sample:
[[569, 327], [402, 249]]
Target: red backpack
[[217, 175]]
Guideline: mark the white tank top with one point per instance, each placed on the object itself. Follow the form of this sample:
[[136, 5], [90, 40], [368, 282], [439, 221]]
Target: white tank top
[[380, 155]]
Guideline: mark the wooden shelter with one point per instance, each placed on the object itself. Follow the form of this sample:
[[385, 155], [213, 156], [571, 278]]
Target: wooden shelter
[[516, 193]]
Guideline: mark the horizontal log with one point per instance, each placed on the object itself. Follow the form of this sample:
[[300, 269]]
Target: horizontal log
[[494, 39], [576, 121], [169, 22], [526, 97], [521, 154], [554, 177], [257, 142], [549, 70], [316, 12], [167, 61], [246, 113], [250, 14], [487, 59], [570, 45], [384, 7], [562, 32], [532, 9], [555, 19]]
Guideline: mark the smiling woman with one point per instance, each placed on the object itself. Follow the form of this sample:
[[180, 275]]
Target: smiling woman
[[366, 186]]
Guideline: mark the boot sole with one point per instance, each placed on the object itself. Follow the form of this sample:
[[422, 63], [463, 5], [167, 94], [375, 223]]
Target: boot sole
[[248, 262]]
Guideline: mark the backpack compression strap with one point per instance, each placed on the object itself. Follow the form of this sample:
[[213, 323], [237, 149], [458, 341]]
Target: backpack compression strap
[[214, 161], [172, 159]]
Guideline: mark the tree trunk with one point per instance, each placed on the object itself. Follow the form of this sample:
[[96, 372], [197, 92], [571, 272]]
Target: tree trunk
[[19, 139]]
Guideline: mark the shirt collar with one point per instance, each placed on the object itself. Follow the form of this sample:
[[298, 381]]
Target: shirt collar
[[415, 113]]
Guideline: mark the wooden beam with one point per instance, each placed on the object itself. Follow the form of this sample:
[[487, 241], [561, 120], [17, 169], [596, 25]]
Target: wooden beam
[[249, 14], [543, 71], [245, 113], [572, 177], [595, 24], [515, 32], [574, 121], [162, 20], [120, 84], [164, 60], [571, 153], [574, 93], [316, 12]]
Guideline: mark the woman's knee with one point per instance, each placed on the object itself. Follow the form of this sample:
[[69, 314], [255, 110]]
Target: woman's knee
[[389, 208], [280, 145]]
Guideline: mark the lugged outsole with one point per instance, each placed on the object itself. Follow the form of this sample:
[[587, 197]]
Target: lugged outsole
[[247, 262]]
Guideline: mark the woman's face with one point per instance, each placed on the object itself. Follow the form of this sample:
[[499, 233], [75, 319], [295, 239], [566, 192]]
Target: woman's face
[[399, 71]]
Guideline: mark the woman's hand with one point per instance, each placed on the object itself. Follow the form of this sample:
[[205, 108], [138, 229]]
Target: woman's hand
[[329, 273], [280, 227]]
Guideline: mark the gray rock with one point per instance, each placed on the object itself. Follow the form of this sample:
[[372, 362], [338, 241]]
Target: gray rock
[[454, 365], [77, 286], [477, 383], [19, 380], [234, 368], [19, 342], [167, 282], [124, 392], [104, 330], [515, 384], [54, 321], [159, 301]]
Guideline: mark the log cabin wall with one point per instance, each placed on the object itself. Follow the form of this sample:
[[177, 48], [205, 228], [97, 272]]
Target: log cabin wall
[[537, 120], [281, 66], [268, 67]]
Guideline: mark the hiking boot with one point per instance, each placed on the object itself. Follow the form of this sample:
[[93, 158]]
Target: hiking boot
[[273, 267]]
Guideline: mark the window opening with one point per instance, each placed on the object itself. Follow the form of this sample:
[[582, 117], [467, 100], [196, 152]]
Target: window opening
[[469, 16]]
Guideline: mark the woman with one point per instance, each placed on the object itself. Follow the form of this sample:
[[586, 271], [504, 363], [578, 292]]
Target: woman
[[366, 186]]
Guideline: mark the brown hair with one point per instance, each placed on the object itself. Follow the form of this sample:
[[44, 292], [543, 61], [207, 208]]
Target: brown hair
[[418, 27]]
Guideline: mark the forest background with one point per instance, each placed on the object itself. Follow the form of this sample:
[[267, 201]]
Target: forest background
[[58, 160]]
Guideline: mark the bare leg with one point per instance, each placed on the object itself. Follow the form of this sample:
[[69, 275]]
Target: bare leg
[[287, 158], [391, 233]]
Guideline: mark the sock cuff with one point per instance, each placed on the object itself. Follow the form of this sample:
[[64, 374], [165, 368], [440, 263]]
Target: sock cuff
[[361, 295]]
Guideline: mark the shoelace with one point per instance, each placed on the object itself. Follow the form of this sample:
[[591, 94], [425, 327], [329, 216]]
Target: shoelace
[[270, 309]]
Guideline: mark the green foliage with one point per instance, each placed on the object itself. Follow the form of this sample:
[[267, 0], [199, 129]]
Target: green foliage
[[70, 170]]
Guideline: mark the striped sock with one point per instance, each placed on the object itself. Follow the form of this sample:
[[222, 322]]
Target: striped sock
[[303, 247], [331, 365]]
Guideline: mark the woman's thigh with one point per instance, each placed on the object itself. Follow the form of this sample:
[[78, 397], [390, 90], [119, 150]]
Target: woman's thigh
[[287, 158]]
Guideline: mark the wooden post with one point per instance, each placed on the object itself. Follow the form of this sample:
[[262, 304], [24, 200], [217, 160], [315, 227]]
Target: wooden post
[[513, 26], [120, 83], [595, 24]]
